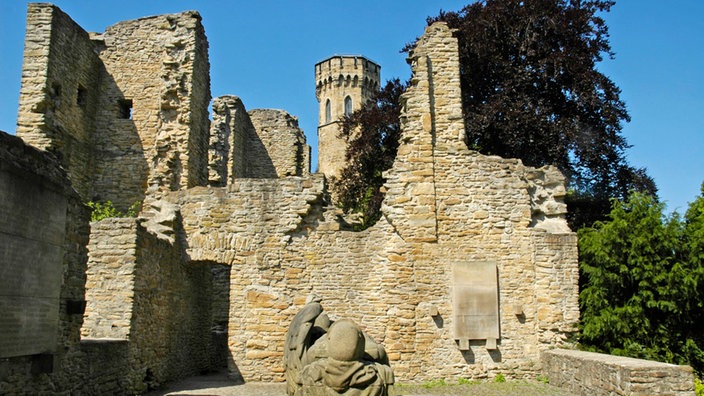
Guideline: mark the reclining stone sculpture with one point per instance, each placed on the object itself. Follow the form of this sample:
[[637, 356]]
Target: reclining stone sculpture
[[326, 358]]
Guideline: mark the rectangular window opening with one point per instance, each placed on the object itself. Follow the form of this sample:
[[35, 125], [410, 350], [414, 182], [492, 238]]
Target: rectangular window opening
[[81, 94], [125, 109]]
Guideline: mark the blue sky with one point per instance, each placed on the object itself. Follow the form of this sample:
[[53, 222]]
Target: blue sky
[[264, 51]]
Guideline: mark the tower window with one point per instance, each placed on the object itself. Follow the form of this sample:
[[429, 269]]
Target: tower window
[[348, 106], [125, 109], [328, 111]]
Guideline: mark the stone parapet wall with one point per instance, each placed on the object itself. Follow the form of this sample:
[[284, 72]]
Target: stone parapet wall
[[588, 373]]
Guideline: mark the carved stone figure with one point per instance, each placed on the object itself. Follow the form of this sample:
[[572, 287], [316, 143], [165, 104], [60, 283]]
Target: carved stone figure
[[332, 359]]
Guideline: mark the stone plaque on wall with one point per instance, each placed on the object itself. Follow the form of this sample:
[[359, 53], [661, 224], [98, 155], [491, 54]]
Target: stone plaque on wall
[[32, 233], [475, 301]]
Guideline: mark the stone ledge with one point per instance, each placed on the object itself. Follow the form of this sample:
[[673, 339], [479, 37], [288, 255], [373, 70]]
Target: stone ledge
[[600, 374]]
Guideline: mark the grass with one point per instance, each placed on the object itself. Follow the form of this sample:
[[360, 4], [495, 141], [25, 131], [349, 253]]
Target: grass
[[499, 385]]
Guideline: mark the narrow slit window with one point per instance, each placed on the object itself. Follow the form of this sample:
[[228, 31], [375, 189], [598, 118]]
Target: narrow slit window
[[125, 110], [55, 94], [328, 111], [348, 106], [81, 94]]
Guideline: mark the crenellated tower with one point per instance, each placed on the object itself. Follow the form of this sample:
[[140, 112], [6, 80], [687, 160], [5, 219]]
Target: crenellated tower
[[343, 84]]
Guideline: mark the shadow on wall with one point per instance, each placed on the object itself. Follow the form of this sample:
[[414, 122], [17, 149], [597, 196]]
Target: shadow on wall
[[469, 356], [258, 161], [121, 169]]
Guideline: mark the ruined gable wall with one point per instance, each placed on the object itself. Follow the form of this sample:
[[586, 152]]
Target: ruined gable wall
[[262, 143], [230, 153], [160, 65], [445, 206], [283, 140], [58, 96]]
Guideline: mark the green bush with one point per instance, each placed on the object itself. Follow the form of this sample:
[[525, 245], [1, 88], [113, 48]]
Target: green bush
[[104, 210], [698, 387], [499, 378], [643, 283]]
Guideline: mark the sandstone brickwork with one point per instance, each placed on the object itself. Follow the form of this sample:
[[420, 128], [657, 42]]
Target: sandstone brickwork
[[588, 373], [126, 110], [59, 62], [139, 290], [283, 141], [262, 143], [158, 67], [235, 233]]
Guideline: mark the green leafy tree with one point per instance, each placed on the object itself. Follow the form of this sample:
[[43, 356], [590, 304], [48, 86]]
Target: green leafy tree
[[691, 325], [373, 132], [642, 280]]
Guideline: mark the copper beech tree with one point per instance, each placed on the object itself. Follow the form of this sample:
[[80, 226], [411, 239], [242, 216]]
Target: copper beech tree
[[530, 90]]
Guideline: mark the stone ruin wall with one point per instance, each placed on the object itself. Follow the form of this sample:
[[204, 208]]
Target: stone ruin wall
[[445, 205], [262, 143], [140, 290], [169, 95], [164, 141], [119, 133], [64, 366], [284, 142], [59, 60]]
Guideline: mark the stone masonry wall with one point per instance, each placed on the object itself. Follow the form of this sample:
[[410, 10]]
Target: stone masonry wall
[[65, 368], [110, 279], [58, 97], [229, 134], [263, 143], [444, 206], [139, 290], [284, 141], [588, 373], [125, 109], [152, 125]]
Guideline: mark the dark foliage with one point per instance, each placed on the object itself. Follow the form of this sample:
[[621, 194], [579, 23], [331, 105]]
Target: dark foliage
[[373, 132], [531, 90], [643, 283]]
